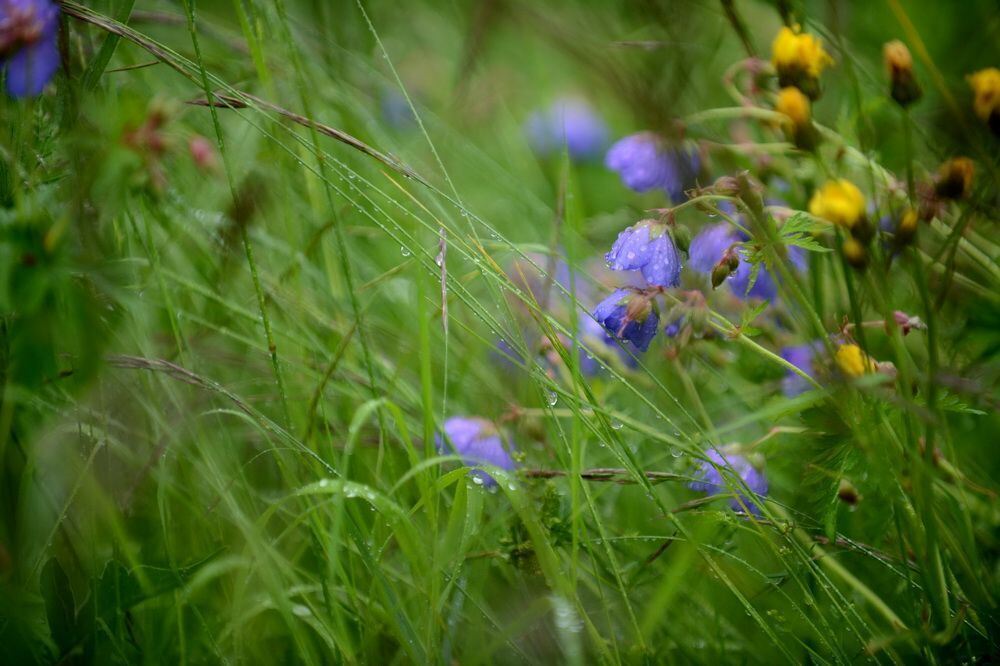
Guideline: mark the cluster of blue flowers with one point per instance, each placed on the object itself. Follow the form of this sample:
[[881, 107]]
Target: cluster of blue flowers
[[29, 51], [650, 259]]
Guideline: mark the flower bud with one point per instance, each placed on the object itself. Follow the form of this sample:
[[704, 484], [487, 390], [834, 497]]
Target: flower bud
[[906, 230], [203, 153], [727, 186], [725, 267], [855, 253], [847, 493], [797, 108], [954, 178], [682, 237], [985, 86], [904, 88]]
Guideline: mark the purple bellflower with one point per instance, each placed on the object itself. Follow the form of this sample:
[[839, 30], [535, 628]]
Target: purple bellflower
[[801, 356], [629, 316], [477, 441], [29, 52], [644, 162], [570, 122], [709, 246], [711, 481], [596, 337], [647, 246]]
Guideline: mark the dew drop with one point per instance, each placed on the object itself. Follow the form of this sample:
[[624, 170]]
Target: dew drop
[[552, 398], [403, 250], [616, 424]]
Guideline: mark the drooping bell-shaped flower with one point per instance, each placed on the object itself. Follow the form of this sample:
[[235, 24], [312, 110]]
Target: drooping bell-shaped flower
[[629, 316], [571, 123], [646, 162], [477, 441], [647, 246]]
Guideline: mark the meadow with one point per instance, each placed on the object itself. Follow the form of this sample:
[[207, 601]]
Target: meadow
[[474, 332]]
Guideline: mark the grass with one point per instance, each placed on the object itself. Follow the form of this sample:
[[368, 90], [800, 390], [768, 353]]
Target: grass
[[222, 384]]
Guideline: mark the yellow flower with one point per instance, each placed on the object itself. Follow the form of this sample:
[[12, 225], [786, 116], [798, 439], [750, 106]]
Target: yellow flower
[[853, 362], [986, 88], [839, 202], [795, 105], [793, 51]]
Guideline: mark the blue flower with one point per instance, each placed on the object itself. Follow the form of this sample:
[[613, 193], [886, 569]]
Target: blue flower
[[592, 334], [710, 244], [674, 327], [396, 110], [645, 162], [763, 287], [28, 44], [478, 443], [801, 356], [629, 316], [711, 481], [647, 246], [569, 122]]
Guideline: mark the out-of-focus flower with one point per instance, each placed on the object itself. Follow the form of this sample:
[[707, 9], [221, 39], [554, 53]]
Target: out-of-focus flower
[[847, 493], [569, 122], [711, 480], [648, 247], [396, 109], [798, 110], [764, 287], [854, 252], [203, 153], [29, 51], [710, 244], [838, 201], [597, 339], [906, 229], [629, 316], [645, 162], [477, 441], [904, 88], [714, 250], [954, 178], [986, 91], [799, 59], [673, 328], [853, 362], [801, 356]]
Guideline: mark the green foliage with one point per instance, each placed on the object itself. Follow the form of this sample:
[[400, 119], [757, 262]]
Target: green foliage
[[254, 254]]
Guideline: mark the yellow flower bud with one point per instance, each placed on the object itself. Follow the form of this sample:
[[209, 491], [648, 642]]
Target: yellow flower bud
[[954, 178], [899, 63], [855, 253], [985, 86], [839, 202], [853, 362], [795, 105], [907, 227]]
